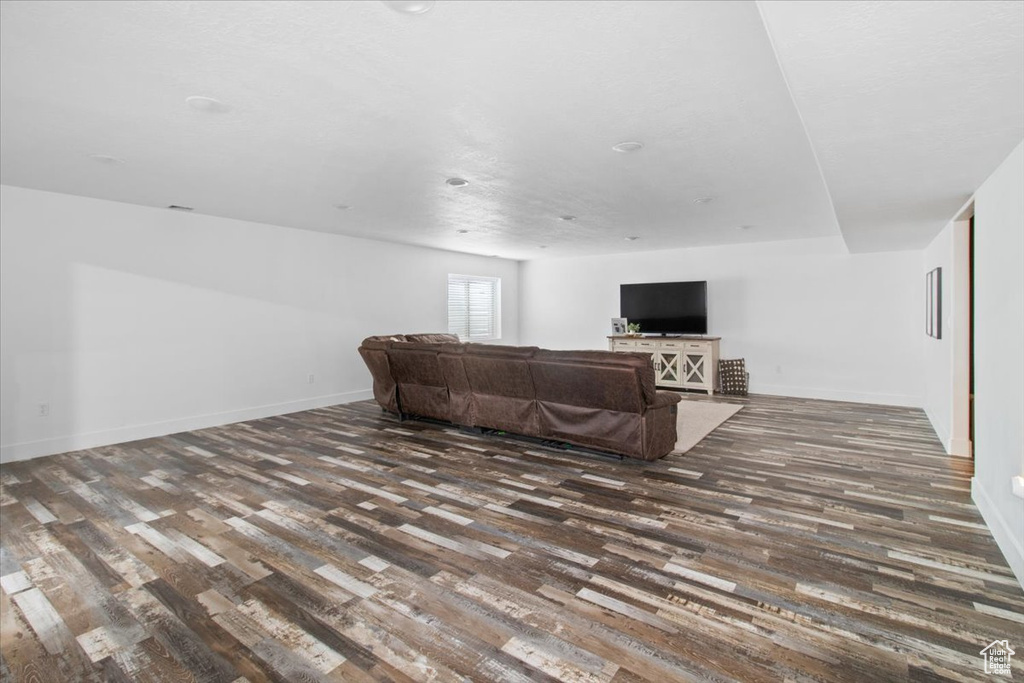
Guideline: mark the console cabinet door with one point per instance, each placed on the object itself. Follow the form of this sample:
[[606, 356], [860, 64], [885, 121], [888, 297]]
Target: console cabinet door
[[696, 369], [668, 368]]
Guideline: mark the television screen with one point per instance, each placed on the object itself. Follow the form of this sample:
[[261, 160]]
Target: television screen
[[666, 307]]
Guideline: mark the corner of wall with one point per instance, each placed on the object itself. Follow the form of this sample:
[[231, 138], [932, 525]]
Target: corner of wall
[[942, 429], [961, 447]]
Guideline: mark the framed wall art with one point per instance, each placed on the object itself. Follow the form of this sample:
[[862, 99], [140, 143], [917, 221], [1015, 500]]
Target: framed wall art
[[933, 303]]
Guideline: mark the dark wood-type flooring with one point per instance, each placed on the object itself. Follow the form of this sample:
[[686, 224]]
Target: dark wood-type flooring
[[802, 540]]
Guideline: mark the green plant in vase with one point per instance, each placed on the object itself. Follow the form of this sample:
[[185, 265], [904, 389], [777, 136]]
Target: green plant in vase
[[634, 329]]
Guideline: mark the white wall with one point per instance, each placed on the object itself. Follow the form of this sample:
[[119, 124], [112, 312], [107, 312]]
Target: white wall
[[810, 319], [946, 369], [131, 322], [999, 355]]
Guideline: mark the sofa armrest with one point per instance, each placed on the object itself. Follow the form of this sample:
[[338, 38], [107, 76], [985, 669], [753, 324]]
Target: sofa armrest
[[664, 398], [659, 425]]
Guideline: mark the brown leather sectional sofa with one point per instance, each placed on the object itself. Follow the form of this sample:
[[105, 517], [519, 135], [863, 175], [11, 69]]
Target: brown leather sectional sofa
[[597, 399]]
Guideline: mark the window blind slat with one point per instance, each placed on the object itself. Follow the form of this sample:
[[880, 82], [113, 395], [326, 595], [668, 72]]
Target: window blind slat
[[474, 307]]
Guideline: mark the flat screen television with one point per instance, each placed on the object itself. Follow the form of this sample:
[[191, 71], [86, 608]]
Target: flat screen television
[[666, 307]]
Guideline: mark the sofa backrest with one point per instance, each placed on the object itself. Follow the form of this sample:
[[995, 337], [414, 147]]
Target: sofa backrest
[[639, 363], [422, 389], [591, 379], [385, 338], [501, 386], [594, 398], [460, 397], [433, 338]]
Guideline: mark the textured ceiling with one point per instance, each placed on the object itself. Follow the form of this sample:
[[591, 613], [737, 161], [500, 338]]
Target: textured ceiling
[[352, 103], [910, 106]]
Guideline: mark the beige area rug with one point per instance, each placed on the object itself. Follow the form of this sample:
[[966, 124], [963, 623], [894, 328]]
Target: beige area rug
[[697, 419]]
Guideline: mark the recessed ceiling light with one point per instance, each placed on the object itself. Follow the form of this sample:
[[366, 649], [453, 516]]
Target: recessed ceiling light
[[457, 182], [744, 227], [629, 146], [178, 207], [632, 238], [410, 6], [207, 104], [543, 246], [567, 217], [341, 207], [462, 232], [106, 159], [703, 200], [494, 256]]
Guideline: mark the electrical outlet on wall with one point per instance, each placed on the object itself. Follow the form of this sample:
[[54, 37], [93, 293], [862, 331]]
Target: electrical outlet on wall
[[44, 410], [310, 379]]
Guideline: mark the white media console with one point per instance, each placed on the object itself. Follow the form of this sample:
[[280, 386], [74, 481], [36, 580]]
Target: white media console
[[679, 362]]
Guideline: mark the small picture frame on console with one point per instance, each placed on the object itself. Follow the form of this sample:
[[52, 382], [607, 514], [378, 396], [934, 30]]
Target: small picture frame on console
[[618, 326]]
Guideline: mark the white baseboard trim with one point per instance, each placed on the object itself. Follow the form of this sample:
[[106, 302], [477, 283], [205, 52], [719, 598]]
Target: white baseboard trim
[[904, 400], [1006, 539], [75, 442], [941, 430]]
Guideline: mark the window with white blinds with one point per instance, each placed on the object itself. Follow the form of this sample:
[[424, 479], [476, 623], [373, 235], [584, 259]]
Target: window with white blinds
[[474, 307]]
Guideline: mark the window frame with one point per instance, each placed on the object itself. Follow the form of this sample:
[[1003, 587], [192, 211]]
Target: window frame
[[495, 309]]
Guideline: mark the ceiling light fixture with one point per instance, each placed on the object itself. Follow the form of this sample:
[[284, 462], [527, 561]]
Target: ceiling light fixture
[[744, 227], [457, 182], [703, 200], [341, 207], [632, 238], [207, 104], [567, 217], [106, 159], [629, 146], [462, 232], [410, 6]]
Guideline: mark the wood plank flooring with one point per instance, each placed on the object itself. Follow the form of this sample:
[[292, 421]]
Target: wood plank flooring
[[801, 541]]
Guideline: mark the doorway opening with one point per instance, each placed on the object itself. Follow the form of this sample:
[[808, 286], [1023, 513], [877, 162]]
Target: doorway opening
[[962, 319], [970, 334]]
